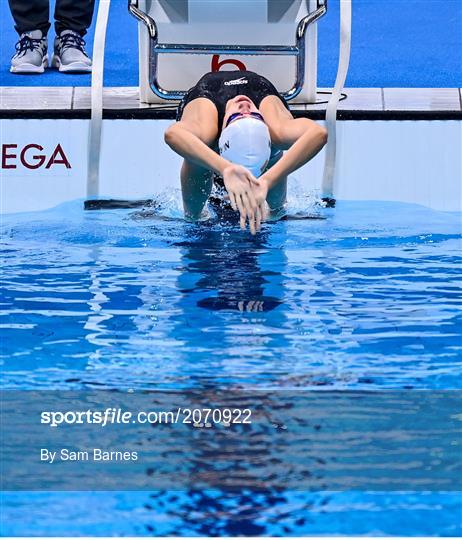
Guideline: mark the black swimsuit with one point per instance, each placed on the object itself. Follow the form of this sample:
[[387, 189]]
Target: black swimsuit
[[221, 86]]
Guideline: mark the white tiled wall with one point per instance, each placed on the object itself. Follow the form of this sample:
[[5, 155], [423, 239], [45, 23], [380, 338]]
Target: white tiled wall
[[409, 161]]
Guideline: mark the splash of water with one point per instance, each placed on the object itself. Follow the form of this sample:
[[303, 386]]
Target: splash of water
[[300, 201]]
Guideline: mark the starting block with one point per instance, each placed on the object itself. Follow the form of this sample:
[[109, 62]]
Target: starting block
[[181, 40]]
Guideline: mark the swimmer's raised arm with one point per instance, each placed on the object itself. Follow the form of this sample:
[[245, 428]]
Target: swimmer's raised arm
[[181, 138], [303, 138], [191, 142]]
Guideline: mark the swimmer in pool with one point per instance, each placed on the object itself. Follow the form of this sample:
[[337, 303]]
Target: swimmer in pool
[[235, 125]]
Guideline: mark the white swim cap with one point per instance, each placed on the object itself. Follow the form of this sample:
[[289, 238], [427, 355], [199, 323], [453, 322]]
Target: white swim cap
[[246, 142]]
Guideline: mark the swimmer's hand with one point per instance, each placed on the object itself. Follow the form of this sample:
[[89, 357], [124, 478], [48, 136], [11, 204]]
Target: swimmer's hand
[[260, 192], [239, 183]]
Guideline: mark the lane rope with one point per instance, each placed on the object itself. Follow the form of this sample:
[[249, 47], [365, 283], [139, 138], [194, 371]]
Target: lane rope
[[328, 181], [97, 83]]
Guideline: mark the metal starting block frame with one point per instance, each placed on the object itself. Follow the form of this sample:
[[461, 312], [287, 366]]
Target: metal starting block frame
[[153, 92]]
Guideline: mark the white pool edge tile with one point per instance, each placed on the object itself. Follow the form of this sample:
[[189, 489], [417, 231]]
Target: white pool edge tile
[[36, 98], [358, 99], [422, 99]]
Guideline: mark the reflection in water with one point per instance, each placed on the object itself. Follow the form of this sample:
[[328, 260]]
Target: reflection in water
[[214, 513], [237, 281], [365, 300], [228, 266], [232, 275]]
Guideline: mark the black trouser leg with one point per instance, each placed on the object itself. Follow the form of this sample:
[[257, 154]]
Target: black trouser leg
[[73, 15], [30, 15]]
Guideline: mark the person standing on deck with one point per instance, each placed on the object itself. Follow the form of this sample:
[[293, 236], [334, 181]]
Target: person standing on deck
[[72, 19]]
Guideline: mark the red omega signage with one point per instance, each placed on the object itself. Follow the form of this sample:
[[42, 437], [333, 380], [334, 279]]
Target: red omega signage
[[32, 156]]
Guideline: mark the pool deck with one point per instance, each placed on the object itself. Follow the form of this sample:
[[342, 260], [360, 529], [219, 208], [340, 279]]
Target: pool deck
[[123, 102]]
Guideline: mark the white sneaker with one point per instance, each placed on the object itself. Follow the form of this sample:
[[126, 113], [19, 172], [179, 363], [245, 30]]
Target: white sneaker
[[69, 54], [31, 53]]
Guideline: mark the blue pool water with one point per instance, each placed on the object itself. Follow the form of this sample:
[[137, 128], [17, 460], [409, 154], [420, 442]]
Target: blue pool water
[[366, 300]]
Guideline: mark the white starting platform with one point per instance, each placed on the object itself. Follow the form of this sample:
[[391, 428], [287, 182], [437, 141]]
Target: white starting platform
[[180, 40]]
